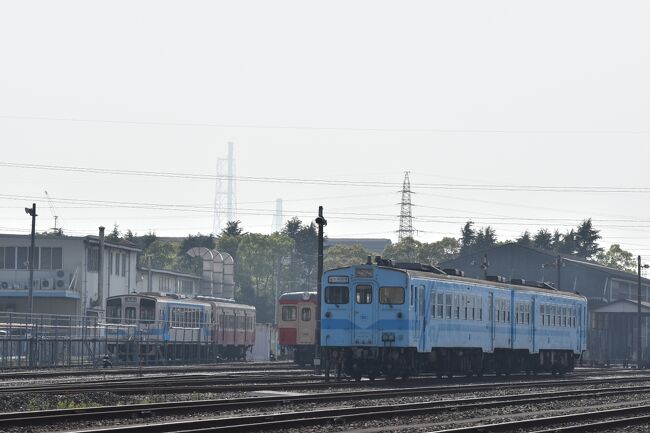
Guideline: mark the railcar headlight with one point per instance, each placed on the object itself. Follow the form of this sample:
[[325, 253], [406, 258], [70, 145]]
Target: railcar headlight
[[388, 336]]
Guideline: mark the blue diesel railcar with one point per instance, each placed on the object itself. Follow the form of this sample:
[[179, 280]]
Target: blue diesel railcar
[[383, 320]]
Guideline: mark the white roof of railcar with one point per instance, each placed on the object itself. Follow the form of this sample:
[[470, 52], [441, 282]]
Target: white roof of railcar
[[454, 278]]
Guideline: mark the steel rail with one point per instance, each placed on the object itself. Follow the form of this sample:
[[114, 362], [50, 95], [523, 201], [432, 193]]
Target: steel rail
[[205, 383], [148, 370], [346, 414], [563, 419]]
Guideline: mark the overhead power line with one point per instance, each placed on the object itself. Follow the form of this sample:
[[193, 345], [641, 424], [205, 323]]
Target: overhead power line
[[334, 128], [305, 181]]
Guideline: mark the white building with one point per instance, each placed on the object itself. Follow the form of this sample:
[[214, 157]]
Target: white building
[[158, 280], [66, 273]]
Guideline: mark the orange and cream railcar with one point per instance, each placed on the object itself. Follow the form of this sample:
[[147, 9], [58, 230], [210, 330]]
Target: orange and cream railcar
[[297, 326]]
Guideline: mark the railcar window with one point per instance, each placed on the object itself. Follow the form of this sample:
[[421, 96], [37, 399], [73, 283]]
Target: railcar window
[[289, 313], [337, 295], [391, 295], [364, 294], [129, 314], [305, 314], [448, 307], [564, 316], [471, 310], [439, 306], [147, 311], [463, 308], [548, 315], [114, 311], [421, 299]]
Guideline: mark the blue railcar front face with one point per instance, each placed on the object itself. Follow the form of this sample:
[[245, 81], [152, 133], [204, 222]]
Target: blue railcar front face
[[364, 306]]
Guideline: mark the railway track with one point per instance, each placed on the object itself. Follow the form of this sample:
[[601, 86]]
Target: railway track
[[623, 417], [244, 383], [238, 366], [341, 415]]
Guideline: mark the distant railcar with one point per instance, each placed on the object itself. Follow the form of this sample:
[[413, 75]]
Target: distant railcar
[[157, 327], [383, 320], [297, 326]]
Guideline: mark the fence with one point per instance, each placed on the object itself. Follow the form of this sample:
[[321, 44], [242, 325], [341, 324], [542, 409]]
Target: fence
[[44, 341]]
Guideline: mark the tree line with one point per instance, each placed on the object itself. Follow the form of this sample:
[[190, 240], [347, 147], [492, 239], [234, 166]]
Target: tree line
[[267, 265]]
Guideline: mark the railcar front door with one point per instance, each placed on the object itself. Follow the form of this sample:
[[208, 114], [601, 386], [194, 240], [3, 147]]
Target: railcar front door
[[363, 305], [305, 333]]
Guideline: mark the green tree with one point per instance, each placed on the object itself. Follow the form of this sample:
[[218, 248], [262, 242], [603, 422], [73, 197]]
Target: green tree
[[525, 239], [616, 257], [339, 256], [586, 239], [435, 252], [229, 238], [262, 270], [467, 238], [543, 239], [486, 237], [408, 250], [164, 255], [304, 257], [114, 235]]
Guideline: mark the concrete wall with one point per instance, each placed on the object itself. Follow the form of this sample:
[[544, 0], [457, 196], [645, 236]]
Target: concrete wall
[[266, 341]]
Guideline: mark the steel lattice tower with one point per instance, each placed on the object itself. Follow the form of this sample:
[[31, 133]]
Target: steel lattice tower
[[405, 216], [225, 195]]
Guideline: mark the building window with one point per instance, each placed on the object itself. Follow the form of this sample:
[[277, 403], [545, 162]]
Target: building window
[[93, 259], [23, 258], [51, 258], [117, 263], [124, 265], [10, 257]]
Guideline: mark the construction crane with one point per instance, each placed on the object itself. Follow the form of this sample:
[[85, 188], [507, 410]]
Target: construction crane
[[56, 228]]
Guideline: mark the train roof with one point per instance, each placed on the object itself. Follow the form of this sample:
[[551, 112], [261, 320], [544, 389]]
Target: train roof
[[298, 296], [223, 303], [455, 278]]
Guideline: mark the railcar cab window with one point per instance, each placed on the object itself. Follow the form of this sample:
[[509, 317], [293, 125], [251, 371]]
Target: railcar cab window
[[364, 294], [289, 313], [114, 311], [337, 295], [391, 295], [129, 314], [305, 314]]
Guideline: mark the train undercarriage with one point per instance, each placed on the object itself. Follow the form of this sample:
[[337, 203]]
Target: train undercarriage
[[148, 353], [404, 362]]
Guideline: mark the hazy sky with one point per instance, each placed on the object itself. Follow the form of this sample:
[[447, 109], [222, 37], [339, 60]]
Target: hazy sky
[[523, 94]]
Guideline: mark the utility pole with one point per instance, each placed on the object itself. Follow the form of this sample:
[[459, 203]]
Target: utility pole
[[30, 300], [639, 357], [322, 222]]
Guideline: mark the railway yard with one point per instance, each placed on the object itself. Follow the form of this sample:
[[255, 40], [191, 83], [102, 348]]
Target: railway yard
[[278, 396]]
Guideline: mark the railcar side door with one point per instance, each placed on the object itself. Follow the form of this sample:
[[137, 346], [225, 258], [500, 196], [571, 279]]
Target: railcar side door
[[492, 319], [363, 313]]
